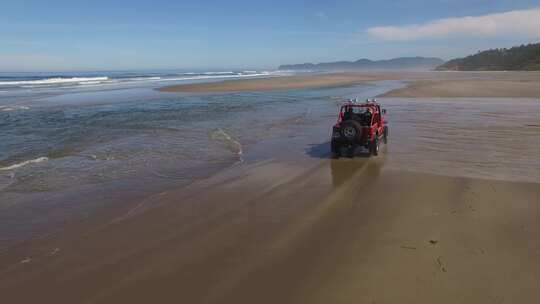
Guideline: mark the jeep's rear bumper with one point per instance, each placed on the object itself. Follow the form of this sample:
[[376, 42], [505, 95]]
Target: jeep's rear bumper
[[338, 143]]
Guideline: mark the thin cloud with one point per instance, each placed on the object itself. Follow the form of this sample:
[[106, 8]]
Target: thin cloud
[[519, 23]]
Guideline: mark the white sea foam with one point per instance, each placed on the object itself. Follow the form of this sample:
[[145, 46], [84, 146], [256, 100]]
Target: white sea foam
[[118, 81], [107, 81], [24, 163], [219, 73], [91, 82], [231, 143], [13, 108], [215, 77], [54, 81], [152, 78], [139, 79], [208, 73]]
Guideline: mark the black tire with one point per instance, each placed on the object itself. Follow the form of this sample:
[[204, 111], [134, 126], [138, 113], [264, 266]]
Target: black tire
[[350, 152], [335, 149], [375, 146], [385, 135], [351, 130]]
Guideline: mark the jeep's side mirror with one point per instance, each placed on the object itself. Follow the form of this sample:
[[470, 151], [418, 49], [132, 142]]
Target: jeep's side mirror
[[384, 111]]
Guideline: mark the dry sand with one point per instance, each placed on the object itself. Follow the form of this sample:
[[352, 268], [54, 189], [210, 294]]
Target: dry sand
[[421, 84], [326, 231]]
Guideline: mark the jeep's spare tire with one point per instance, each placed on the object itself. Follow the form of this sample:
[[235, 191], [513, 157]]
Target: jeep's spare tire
[[351, 130]]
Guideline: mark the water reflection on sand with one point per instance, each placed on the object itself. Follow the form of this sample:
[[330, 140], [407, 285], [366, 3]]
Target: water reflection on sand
[[492, 138]]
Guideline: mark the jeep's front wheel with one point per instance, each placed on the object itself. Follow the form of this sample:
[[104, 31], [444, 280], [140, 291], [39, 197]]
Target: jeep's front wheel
[[385, 135]]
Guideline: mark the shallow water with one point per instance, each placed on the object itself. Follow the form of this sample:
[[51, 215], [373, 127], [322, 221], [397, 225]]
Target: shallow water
[[493, 138], [102, 142]]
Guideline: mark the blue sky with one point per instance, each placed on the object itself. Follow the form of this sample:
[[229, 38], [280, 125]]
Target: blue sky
[[111, 35]]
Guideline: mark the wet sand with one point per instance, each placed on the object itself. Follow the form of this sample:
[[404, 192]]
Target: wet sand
[[420, 84], [279, 83], [318, 231], [527, 87]]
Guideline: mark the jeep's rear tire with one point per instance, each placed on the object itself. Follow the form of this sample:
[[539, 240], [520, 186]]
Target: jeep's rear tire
[[351, 130], [350, 152], [334, 149], [385, 135], [375, 146]]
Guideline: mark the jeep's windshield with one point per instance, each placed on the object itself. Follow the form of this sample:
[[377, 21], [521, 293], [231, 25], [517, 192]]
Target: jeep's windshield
[[360, 114], [355, 110]]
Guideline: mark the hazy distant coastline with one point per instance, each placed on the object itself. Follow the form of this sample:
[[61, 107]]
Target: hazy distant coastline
[[401, 63]]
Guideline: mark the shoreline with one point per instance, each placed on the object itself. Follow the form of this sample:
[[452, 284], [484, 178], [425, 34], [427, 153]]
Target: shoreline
[[277, 83], [420, 84], [483, 88]]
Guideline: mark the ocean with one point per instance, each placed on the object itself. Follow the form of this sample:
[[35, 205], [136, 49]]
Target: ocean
[[27, 80]]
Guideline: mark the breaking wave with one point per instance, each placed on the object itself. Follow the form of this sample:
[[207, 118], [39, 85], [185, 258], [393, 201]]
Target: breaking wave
[[214, 75], [24, 163], [56, 80], [115, 78], [13, 108]]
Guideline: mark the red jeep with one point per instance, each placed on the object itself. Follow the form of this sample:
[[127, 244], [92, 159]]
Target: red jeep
[[359, 125]]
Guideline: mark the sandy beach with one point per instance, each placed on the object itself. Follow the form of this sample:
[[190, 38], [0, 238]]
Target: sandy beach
[[279, 83], [419, 84], [526, 86], [300, 227], [347, 231]]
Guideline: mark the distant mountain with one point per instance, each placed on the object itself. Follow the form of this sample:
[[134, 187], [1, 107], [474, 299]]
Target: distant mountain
[[402, 63], [520, 58]]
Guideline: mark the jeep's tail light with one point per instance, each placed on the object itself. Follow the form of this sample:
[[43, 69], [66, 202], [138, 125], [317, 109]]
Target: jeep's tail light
[[367, 131]]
